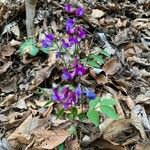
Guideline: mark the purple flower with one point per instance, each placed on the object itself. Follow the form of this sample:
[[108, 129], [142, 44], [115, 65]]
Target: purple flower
[[70, 26], [49, 38], [90, 94], [80, 11], [58, 55], [68, 8], [55, 95], [81, 32], [78, 91], [67, 98], [79, 69], [65, 44], [70, 100], [66, 75], [73, 40]]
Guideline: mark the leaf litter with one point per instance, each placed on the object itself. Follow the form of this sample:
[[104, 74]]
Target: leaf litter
[[122, 30]]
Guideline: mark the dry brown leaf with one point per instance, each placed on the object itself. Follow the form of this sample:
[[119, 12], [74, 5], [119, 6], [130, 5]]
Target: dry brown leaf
[[52, 58], [106, 44], [9, 85], [22, 133], [129, 52], [120, 110], [142, 146], [105, 124], [96, 13], [139, 113], [143, 98], [47, 139], [113, 132], [73, 145], [40, 76], [21, 103], [138, 60], [111, 66], [136, 121], [107, 145], [5, 67], [102, 79], [7, 51]]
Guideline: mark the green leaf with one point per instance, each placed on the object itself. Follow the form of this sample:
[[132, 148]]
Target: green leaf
[[105, 53], [93, 116], [28, 46], [98, 59], [84, 60], [45, 50], [93, 103], [93, 64], [108, 101], [109, 111], [82, 116], [60, 113], [70, 116], [74, 112], [61, 147]]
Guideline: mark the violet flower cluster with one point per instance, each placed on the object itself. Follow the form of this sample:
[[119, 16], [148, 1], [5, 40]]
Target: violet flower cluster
[[75, 32], [79, 11], [78, 70], [68, 98], [49, 38]]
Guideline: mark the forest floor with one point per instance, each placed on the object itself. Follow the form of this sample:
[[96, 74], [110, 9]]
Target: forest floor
[[28, 118]]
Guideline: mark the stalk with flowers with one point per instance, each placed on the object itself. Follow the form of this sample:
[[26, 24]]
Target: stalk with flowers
[[73, 95]]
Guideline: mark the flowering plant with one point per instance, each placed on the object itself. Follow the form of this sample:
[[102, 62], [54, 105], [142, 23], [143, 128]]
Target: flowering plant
[[73, 94]]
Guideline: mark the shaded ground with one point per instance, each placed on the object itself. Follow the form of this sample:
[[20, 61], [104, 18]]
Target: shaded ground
[[25, 82]]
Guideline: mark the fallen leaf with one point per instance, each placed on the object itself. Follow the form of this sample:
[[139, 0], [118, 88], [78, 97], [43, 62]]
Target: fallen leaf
[[142, 146], [9, 85], [22, 133], [7, 51], [143, 98], [40, 76], [73, 145], [113, 132], [139, 113], [5, 67], [48, 139], [96, 13], [109, 48], [4, 144], [111, 66], [136, 120], [12, 27]]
